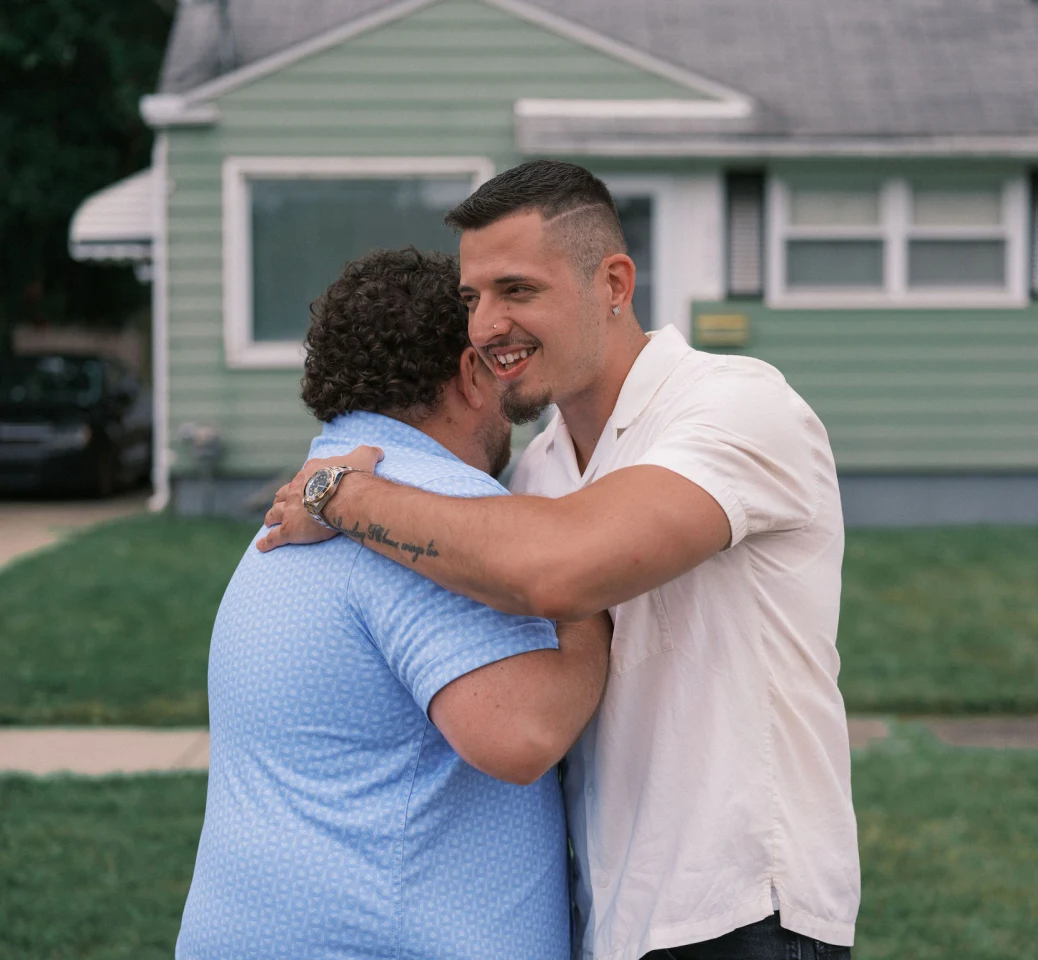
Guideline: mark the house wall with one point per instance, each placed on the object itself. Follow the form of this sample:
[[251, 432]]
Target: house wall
[[441, 82], [945, 398], [952, 392]]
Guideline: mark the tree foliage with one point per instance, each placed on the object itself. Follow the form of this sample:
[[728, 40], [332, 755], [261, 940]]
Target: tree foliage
[[71, 75]]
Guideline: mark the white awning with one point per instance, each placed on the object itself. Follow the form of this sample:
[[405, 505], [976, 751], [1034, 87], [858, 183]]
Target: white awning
[[117, 223]]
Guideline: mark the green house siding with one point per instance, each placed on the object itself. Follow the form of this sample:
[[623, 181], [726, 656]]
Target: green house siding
[[910, 390], [440, 82]]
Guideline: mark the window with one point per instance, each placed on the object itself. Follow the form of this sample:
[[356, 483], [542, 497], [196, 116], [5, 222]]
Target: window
[[291, 223], [898, 241]]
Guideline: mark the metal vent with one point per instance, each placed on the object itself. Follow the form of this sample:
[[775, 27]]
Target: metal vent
[[745, 234]]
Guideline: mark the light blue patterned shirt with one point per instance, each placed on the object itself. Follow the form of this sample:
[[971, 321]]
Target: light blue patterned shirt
[[339, 822]]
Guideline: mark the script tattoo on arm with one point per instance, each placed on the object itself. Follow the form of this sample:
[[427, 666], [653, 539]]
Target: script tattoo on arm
[[377, 533]]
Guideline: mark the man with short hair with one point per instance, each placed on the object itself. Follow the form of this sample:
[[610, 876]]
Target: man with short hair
[[360, 713], [695, 497]]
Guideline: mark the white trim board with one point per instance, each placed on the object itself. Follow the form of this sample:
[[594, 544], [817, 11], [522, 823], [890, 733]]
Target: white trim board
[[191, 107], [774, 148], [528, 108], [241, 351]]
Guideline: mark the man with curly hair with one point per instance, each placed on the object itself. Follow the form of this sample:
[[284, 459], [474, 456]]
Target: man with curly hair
[[382, 779], [694, 496]]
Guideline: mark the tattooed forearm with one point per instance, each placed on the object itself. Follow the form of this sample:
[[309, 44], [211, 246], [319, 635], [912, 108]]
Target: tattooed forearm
[[377, 533]]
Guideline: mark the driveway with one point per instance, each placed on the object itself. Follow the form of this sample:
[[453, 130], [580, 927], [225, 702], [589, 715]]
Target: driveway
[[27, 525]]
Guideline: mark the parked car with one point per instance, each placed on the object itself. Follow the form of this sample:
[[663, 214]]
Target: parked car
[[72, 423]]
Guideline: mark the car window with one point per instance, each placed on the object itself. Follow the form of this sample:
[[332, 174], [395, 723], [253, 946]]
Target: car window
[[50, 381]]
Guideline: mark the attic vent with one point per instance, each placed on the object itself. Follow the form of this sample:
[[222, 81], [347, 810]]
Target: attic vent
[[745, 234]]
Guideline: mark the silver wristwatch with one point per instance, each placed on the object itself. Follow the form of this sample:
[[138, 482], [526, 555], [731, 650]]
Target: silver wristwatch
[[319, 489]]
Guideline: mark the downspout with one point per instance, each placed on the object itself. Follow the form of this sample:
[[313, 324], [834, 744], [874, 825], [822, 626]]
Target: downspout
[[161, 453]]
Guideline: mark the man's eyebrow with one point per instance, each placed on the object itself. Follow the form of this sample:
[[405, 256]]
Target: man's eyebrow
[[500, 282]]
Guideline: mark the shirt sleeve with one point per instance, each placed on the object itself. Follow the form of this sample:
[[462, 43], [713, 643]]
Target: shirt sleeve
[[430, 636], [744, 437]]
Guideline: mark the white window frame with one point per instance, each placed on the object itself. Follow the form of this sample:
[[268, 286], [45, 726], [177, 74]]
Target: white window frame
[[895, 228], [242, 351]]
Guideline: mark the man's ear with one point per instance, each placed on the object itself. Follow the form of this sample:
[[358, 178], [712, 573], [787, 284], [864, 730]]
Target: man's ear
[[472, 378], [620, 276]]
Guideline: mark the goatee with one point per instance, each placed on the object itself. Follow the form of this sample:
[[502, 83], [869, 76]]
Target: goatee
[[518, 409]]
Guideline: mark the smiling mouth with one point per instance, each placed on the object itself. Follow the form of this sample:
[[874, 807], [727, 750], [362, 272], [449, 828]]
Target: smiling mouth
[[512, 359]]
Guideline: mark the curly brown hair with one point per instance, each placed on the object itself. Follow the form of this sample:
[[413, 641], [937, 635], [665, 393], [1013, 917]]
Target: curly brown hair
[[386, 336]]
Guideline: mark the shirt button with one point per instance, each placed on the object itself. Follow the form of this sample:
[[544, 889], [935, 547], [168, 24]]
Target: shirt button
[[589, 790], [602, 879]]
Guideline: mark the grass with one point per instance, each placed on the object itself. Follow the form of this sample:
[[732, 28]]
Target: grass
[[96, 869], [940, 621], [948, 840], [113, 625], [99, 869]]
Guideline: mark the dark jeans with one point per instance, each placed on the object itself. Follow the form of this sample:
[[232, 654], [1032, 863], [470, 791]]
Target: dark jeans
[[765, 940]]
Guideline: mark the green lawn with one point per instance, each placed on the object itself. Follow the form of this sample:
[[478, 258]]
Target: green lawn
[[99, 869], [948, 840], [96, 869], [940, 621], [113, 626]]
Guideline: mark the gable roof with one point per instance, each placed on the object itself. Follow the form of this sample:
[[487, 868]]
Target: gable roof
[[815, 68]]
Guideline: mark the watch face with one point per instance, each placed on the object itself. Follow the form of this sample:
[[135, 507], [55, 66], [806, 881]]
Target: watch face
[[318, 484]]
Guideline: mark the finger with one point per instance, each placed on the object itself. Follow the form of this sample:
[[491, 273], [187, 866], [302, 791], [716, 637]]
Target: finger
[[282, 493], [275, 515], [368, 457], [271, 541]]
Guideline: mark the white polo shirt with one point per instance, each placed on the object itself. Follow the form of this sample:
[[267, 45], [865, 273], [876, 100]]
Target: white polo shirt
[[714, 783]]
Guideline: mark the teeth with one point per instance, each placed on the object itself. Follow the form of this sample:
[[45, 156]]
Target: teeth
[[507, 359]]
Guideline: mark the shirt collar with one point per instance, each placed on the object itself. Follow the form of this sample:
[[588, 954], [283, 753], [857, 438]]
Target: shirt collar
[[652, 367], [376, 429]]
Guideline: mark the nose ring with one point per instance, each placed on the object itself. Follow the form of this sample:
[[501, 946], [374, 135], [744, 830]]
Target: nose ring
[[495, 326]]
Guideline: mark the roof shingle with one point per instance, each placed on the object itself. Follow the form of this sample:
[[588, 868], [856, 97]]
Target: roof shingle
[[817, 68]]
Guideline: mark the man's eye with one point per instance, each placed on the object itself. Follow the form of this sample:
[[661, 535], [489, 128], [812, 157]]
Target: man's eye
[[520, 289]]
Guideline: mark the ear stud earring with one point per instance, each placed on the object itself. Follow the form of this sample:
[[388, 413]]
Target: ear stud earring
[[616, 311]]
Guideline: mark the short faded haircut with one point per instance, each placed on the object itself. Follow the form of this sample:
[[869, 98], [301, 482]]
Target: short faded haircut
[[573, 201]]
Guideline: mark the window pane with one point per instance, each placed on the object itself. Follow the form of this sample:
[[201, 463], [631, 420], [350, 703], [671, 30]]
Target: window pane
[[956, 208], [834, 263], [857, 208], [304, 231], [957, 263], [636, 222]]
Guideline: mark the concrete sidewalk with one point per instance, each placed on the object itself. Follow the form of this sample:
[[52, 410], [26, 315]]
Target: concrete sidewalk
[[29, 525], [96, 751]]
